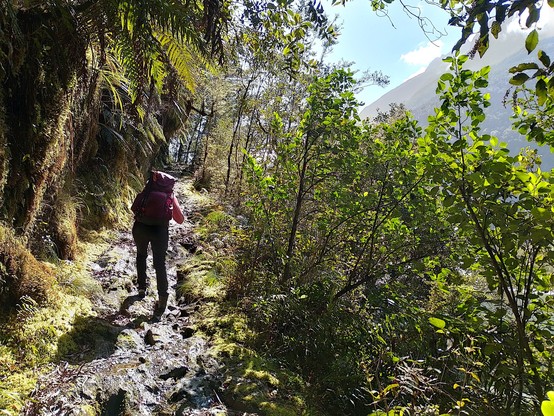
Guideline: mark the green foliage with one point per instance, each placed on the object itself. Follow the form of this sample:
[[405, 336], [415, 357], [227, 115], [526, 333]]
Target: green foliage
[[337, 197], [152, 39], [361, 219], [306, 334], [488, 17], [534, 107], [282, 25], [500, 203], [419, 258]]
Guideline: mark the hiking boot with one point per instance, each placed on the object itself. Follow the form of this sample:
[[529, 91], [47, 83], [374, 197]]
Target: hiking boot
[[161, 304]]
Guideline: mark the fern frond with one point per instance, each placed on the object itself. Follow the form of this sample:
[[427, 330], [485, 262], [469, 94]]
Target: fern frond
[[153, 38], [113, 79], [180, 57]]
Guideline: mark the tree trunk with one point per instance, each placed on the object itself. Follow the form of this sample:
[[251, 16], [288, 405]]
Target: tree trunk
[[287, 270]]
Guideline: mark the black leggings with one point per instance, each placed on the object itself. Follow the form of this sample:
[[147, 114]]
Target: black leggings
[[158, 237]]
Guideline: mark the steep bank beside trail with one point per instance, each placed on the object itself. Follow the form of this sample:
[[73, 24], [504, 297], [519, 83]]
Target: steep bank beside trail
[[126, 362]]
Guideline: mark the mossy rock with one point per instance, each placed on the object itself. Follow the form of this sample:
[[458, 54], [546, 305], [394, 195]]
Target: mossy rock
[[255, 384], [22, 275], [198, 279]]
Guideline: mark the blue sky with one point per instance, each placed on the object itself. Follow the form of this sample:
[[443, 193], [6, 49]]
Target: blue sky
[[396, 46]]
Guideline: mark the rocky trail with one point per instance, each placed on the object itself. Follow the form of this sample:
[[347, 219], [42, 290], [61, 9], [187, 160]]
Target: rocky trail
[[132, 363]]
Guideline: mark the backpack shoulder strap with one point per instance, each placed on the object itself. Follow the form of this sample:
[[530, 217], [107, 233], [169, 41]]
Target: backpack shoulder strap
[[146, 193]]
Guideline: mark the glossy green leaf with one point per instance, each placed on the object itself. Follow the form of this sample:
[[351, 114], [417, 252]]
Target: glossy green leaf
[[496, 28], [541, 91], [550, 86], [533, 17], [544, 58], [437, 322], [547, 408], [523, 67], [532, 41], [519, 79]]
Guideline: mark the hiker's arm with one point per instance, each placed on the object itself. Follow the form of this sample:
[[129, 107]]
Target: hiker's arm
[[177, 213]]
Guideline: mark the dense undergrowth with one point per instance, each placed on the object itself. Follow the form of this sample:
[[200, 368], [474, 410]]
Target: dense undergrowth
[[252, 381], [412, 276]]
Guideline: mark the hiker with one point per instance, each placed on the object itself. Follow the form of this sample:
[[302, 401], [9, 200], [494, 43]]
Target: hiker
[[154, 208]]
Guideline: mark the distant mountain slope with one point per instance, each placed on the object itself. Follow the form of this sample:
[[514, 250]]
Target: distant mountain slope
[[418, 93]]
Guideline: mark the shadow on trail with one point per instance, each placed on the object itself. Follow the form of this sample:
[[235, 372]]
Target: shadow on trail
[[91, 338], [127, 303], [96, 337], [137, 319]]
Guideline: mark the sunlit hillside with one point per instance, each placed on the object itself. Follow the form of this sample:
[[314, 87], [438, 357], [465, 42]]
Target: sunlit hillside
[[419, 96]]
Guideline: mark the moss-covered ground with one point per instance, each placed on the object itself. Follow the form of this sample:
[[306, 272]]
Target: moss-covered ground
[[34, 336]]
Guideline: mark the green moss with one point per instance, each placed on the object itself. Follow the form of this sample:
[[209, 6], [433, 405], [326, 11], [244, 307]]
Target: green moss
[[215, 221], [14, 390], [199, 279], [89, 338], [196, 199], [106, 205], [41, 330], [22, 276], [126, 341], [75, 279], [253, 382], [31, 339], [219, 219], [258, 385], [272, 409], [261, 375], [87, 410], [64, 226], [4, 152]]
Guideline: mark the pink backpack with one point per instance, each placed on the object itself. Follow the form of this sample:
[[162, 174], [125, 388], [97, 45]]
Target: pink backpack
[[154, 205]]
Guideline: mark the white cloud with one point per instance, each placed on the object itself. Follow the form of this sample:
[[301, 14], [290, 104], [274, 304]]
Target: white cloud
[[424, 54]]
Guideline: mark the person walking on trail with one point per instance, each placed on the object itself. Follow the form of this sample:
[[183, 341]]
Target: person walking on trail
[[154, 208]]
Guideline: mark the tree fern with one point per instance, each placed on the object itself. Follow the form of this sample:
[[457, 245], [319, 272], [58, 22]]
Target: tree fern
[[183, 59], [149, 37]]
